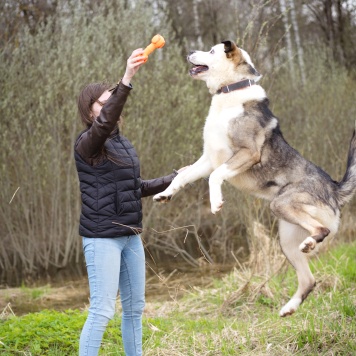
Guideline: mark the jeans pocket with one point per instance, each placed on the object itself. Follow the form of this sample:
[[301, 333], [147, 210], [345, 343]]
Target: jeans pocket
[[88, 249], [86, 242]]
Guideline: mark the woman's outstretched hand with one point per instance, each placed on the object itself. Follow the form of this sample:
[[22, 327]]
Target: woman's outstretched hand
[[134, 62]]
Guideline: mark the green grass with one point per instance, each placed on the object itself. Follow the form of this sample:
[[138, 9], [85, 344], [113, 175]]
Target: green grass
[[238, 315], [43, 333], [34, 293]]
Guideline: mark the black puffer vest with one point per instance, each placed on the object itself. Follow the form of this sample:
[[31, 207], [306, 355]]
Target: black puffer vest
[[109, 175], [111, 192]]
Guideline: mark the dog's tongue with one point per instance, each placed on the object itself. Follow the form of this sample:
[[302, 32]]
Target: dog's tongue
[[198, 69]]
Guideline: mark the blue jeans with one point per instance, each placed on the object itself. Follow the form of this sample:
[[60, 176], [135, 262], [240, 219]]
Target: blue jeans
[[114, 264]]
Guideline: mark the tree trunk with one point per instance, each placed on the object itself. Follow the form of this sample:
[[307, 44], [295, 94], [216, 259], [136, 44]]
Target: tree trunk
[[285, 18], [197, 24], [340, 32], [297, 39]]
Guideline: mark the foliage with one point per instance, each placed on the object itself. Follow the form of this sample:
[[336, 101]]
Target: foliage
[[40, 124], [43, 69], [222, 320], [42, 332]]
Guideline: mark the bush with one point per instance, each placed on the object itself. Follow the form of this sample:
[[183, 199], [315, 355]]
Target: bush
[[41, 76]]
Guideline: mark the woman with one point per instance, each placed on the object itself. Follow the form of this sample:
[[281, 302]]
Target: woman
[[111, 217]]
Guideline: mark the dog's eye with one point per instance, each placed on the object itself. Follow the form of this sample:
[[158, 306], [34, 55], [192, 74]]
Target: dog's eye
[[212, 51]]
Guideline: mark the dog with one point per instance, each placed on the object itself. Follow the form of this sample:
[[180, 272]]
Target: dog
[[243, 144]]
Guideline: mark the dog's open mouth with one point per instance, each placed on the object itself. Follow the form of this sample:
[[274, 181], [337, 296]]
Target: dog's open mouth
[[198, 69]]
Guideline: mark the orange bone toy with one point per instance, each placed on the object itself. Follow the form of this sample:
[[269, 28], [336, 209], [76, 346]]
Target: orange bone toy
[[156, 42]]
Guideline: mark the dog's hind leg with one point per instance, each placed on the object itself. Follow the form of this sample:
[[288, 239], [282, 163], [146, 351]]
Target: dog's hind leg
[[316, 220], [291, 236]]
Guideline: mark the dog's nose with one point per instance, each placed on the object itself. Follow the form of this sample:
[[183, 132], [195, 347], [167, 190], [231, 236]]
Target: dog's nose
[[189, 54]]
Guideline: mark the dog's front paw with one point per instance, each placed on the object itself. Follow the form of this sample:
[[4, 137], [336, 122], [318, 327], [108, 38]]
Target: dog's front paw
[[216, 200], [162, 197], [216, 205], [216, 208], [307, 245]]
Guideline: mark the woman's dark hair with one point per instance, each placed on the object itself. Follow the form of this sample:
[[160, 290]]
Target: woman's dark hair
[[87, 98]]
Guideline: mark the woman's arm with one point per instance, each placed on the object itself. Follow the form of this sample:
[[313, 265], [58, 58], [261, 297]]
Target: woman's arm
[[157, 185], [91, 141]]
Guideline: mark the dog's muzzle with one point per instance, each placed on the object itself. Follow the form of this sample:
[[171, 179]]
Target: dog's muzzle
[[197, 68]]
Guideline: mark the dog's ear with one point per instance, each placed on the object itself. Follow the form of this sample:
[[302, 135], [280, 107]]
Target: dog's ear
[[229, 48]]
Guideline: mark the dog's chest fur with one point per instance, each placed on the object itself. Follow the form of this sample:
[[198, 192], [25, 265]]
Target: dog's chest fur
[[225, 128], [217, 143]]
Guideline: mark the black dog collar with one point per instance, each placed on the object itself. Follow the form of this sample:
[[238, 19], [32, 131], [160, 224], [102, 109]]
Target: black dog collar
[[238, 85]]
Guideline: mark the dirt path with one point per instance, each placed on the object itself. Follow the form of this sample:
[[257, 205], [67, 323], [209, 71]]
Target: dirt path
[[75, 294]]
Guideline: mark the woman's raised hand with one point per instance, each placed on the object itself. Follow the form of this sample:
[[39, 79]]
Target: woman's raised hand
[[134, 62]]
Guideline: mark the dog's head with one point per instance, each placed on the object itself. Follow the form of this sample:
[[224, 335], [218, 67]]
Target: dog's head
[[224, 64]]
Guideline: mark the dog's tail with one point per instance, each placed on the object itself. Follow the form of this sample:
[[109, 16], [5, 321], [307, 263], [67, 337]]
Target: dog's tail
[[347, 185]]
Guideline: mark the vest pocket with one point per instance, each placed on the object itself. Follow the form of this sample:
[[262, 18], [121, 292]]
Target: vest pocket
[[118, 206]]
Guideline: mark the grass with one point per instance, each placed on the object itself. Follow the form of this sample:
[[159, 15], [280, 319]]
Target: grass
[[237, 315]]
